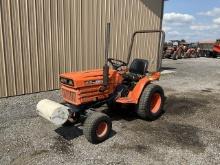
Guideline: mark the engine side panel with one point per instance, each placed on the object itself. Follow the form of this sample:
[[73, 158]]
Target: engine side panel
[[87, 88]]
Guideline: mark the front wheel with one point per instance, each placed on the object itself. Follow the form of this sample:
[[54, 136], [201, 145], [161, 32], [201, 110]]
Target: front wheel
[[97, 127], [151, 102]]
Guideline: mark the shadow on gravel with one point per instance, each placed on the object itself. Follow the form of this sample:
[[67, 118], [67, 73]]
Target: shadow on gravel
[[71, 132], [185, 106], [167, 68], [170, 134]]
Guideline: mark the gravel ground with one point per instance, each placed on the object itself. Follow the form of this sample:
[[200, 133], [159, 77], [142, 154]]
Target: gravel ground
[[187, 133]]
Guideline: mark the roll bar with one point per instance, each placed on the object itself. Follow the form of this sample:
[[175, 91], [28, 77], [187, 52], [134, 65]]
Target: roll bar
[[162, 38], [107, 43]]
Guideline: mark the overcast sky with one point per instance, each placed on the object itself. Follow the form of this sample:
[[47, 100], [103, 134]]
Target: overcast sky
[[192, 20]]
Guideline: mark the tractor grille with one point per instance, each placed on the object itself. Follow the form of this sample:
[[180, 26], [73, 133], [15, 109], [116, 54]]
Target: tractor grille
[[69, 95]]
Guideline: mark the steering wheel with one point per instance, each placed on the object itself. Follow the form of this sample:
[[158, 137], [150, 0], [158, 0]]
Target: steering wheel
[[116, 63]]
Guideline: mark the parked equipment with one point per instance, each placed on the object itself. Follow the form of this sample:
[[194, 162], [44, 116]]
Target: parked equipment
[[126, 84], [216, 48], [170, 49], [206, 48], [191, 50], [174, 49], [178, 49]]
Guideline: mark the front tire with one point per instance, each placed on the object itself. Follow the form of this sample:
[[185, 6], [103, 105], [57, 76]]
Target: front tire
[[97, 127], [150, 106]]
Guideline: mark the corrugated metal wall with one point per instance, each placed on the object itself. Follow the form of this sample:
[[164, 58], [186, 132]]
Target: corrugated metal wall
[[41, 38]]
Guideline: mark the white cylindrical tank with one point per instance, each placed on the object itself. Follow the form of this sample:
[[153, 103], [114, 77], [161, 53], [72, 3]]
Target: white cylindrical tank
[[54, 112]]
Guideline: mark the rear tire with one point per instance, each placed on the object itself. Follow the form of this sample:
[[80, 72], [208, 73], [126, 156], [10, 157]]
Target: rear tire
[[150, 106], [97, 127]]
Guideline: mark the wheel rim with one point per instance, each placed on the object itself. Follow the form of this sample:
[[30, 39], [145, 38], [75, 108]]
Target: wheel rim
[[102, 129], [155, 103]]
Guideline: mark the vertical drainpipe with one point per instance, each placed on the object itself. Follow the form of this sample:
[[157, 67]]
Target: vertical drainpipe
[[159, 62]]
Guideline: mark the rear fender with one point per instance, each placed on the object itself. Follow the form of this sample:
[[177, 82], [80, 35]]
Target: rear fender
[[134, 95]]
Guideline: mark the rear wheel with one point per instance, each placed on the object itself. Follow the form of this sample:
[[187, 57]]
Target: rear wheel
[[97, 127], [151, 102]]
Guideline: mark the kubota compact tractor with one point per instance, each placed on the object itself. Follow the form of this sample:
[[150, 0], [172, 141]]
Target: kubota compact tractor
[[125, 84]]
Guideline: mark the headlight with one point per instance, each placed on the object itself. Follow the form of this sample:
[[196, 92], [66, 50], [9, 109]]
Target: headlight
[[66, 81], [70, 82]]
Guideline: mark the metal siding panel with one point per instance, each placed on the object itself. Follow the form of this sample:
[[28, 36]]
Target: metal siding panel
[[33, 44], [98, 35], [8, 45], [127, 31], [48, 48], [140, 36], [41, 45], [135, 27], [160, 18], [102, 34], [110, 15], [92, 35], [67, 35], [3, 82], [25, 46], [79, 35], [90, 28], [61, 48], [94, 32], [84, 19], [109, 19], [115, 29], [143, 47], [16, 37], [147, 23], [122, 31], [73, 38], [150, 43], [131, 22], [54, 40]]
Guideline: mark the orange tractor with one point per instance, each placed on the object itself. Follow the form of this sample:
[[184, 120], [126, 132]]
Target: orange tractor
[[125, 84], [192, 51], [170, 49], [175, 50], [216, 48], [187, 50]]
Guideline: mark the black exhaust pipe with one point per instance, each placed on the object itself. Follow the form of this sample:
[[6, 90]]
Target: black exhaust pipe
[[106, 67]]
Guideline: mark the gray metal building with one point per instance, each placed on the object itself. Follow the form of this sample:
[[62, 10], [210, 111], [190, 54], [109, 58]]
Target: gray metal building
[[41, 38]]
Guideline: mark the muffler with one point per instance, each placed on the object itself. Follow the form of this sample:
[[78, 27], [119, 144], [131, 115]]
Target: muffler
[[54, 112]]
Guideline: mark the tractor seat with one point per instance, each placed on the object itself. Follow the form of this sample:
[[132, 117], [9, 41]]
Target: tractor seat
[[137, 70]]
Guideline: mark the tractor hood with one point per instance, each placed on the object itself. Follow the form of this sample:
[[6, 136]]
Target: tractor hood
[[88, 78]]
